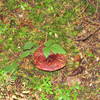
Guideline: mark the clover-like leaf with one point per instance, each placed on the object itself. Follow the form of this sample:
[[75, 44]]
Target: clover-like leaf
[[25, 54], [28, 45], [49, 43], [10, 68], [46, 51], [56, 48]]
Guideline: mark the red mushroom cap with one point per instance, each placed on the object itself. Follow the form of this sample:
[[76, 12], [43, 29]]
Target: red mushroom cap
[[51, 63]]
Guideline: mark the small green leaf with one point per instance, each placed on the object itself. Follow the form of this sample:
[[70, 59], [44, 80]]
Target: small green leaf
[[1, 41], [90, 55], [49, 43], [11, 68], [55, 48], [33, 50], [28, 45], [25, 54], [46, 51]]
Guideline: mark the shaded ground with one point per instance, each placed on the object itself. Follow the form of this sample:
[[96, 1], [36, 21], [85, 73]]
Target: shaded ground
[[76, 24]]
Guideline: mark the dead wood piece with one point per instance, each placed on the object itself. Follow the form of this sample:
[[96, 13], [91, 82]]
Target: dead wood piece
[[77, 71], [84, 39]]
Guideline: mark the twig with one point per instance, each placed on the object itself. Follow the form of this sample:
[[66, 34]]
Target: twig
[[46, 37], [97, 6], [93, 22], [84, 39]]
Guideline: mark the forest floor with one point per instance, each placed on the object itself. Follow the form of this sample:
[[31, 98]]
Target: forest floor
[[75, 24]]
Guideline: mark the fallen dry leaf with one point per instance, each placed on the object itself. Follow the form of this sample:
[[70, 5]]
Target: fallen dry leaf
[[77, 58], [71, 81]]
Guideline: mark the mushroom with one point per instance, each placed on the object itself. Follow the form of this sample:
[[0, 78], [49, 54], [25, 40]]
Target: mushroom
[[51, 63]]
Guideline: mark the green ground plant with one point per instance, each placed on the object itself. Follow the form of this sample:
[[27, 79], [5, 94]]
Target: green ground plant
[[45, 88], [69, 93], [54, 19]]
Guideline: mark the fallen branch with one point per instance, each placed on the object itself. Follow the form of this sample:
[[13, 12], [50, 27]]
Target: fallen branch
[[84, 39]]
